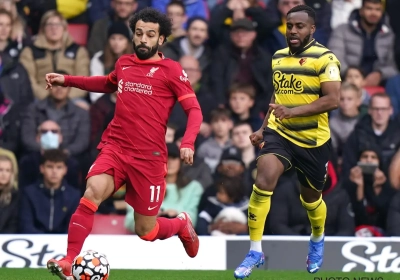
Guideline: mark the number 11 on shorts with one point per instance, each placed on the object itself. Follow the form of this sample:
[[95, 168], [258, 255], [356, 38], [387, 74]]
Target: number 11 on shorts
[[154, 189]]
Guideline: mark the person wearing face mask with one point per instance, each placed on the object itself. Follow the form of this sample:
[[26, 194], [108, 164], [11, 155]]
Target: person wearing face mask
[[73, 120], [48, 137]]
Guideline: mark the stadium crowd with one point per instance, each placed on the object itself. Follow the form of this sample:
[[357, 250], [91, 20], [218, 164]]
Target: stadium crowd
[[48, 139]]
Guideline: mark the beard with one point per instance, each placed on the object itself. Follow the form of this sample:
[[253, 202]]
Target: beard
[[303, 43], [145, 53]]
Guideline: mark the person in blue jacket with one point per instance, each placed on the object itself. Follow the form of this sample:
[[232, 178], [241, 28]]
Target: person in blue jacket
[[47, 206]]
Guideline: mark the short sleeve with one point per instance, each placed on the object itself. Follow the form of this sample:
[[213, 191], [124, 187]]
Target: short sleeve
[[179, 83], [328, 68]]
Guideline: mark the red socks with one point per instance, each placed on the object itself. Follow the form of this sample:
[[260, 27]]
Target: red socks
[[165, 228], [80, 226]]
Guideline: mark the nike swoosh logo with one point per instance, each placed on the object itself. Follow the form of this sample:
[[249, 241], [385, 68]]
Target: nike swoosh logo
[[151, 208], [123, 68]]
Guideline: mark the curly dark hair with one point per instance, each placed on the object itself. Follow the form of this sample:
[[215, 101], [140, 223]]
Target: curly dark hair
[[154, 16]]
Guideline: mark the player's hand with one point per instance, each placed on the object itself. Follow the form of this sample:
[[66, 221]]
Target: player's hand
[[280, 111], [187, 155], [256, 138], [54, 79]]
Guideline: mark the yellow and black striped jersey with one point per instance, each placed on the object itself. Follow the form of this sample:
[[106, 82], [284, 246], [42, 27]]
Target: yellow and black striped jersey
[[297, 81]]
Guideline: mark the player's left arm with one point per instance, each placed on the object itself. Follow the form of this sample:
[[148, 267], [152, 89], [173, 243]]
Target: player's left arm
[[186, 96], [328, 69]]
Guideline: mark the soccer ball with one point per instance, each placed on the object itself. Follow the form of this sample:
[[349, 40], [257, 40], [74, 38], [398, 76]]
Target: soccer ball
[[90, 265]]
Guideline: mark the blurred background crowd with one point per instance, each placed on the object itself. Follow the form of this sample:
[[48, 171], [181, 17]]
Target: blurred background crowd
[[48, 139]]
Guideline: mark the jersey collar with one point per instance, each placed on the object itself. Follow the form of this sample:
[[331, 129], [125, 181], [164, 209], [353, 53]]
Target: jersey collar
[[136, 59], [309, 45]]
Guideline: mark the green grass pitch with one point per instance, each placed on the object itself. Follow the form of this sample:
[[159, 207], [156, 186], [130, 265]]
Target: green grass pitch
[[42, 274]]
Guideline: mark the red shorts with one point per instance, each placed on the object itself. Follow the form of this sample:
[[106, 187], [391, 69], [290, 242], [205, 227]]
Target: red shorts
[[144, 179]]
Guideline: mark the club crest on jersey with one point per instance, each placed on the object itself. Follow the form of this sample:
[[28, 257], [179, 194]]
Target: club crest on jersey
[[184, 78], [152, 71], [302, 61]]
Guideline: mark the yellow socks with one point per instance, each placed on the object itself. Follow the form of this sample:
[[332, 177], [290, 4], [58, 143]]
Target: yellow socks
[[317, 215], [259, 205]]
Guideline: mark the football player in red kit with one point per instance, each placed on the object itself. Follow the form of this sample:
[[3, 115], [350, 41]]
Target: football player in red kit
[[132, 148]]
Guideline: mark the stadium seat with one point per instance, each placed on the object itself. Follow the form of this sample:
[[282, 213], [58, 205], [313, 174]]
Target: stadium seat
[[109, 224], [373, 90], [79, 33]]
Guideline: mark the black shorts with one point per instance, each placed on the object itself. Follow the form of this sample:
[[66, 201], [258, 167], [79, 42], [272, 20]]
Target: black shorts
[[311, 163]]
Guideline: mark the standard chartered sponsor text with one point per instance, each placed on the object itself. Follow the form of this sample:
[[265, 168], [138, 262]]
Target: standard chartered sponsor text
[[138, 87]]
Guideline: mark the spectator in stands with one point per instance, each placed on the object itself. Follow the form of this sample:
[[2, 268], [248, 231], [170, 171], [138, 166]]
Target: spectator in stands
[[7, 45], [241, 102], [74, 121], [230, 165], [343, 123], [98, 114], [393, 216], [354, 75], [226, 212], [193, 44], [241, 132], [10, 123], [243, 62], [341, 11], [370, 193], [121, 11], [18, 28], [392, 6], [226, 13], [9, 206], [366, 41], [14, 81], [48, 136], [210, 150], [199, 170], [193, 8], [170, 133], [103, 61], [176, 12], [278, 10], [182, 193], [54, 49], [392, 88], [206, 100], [47, 206], [288, 217], [375, 128]]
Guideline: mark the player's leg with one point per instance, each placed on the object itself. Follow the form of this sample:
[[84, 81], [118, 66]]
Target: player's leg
[[271, 164], [311, 171], [145, 194], [99, 187]]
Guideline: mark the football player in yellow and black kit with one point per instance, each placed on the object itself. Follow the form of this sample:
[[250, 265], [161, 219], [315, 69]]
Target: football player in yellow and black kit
[[295, 134]]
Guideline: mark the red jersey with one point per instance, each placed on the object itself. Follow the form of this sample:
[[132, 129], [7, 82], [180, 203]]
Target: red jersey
[[147, 90]]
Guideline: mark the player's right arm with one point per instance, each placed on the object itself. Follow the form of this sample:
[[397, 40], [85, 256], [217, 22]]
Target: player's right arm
[[104, 84], [257, 137]]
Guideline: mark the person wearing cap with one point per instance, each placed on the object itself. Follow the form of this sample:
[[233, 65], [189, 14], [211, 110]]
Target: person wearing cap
[[242, 61], [118, 43]]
